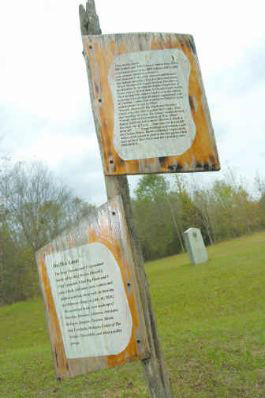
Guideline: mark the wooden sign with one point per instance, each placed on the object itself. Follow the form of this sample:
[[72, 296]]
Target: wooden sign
[[90, 291], [149, 104]]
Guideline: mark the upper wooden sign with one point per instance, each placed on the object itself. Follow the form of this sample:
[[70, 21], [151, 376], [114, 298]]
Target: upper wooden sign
[[91, 294], [149, 104]]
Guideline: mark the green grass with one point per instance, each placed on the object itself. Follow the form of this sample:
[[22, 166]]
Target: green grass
[[211, 322]]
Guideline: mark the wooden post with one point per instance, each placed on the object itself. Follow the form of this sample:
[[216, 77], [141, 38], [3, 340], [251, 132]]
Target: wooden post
[[154, 367]]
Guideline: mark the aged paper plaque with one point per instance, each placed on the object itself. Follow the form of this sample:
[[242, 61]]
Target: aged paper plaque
[[149, 104], [152, 115], [90, 300], [90, 291]]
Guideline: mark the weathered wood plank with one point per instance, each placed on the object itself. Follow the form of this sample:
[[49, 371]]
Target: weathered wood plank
[[61, 284], [154, 367], [196, 145]]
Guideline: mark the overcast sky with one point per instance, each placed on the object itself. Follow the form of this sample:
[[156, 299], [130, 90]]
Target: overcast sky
[[45, 111]]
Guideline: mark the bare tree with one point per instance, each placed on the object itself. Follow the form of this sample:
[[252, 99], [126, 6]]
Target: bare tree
[[37, 205]]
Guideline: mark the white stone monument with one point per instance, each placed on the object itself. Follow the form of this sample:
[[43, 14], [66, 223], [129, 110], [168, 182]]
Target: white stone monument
[[195, 246]]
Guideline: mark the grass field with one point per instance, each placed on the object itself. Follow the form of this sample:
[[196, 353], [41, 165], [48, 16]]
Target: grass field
[[211, 321]]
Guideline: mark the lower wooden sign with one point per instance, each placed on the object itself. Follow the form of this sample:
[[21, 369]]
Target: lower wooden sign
[[91, 295]]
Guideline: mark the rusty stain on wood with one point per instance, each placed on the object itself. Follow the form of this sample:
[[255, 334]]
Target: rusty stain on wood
[[100, 51], [108, 228]]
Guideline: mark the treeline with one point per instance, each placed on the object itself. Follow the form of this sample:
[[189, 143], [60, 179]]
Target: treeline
[[223, 210], [34, 208]]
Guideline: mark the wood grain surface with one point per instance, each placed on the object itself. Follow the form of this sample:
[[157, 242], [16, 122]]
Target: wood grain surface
[[100, 52], [109, 228]]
